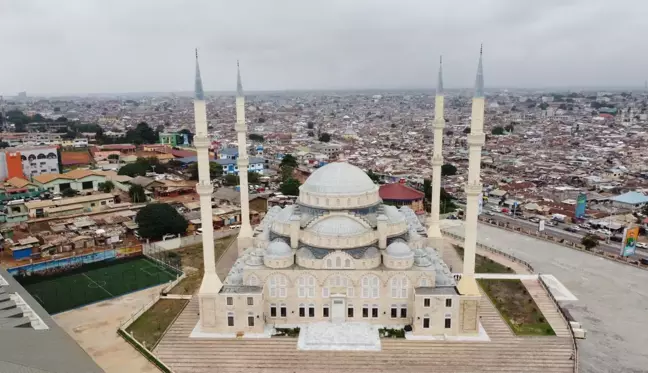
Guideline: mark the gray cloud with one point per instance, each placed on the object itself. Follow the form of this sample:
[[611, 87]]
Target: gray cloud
[[79, 46]]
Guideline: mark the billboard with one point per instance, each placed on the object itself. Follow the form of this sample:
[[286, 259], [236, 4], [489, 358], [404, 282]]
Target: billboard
[[581, 202], [541, 224], [629, 243]]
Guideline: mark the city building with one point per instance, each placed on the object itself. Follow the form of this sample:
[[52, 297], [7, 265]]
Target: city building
[[398, 194], [27, 162], [174, 139]]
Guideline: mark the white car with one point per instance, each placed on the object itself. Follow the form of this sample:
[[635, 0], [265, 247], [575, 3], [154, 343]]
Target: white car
[[642, 245]]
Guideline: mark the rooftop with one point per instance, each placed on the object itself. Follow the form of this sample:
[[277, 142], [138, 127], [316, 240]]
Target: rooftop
[[399, 192]]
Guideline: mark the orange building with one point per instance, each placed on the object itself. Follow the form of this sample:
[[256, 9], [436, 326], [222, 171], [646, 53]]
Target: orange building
[[14, 165]]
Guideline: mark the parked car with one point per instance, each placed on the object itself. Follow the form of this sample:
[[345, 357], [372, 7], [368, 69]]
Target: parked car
[[534, 220], [571, 229], [642, 245], [489, 213]]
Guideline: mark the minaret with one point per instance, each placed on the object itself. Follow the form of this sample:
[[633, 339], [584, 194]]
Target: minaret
[[211, 284], [434, 233], [245, 239], [467, 285]]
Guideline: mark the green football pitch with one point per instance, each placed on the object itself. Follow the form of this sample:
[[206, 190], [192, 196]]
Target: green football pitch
[[96, 282]]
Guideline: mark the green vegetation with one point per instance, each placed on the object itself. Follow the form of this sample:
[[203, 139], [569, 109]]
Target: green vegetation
[[287, 332], [142, 134], [516, 306], [255, 137], [325, 137], [137, 194], [150, 357], [448, 170], [590, 241], [191, 262], [106, 186], [290, 187], [446, 199], [497, 130], [484, 264], [215, 170], [288, 160], [157, 219], [151, 325], [69, 192], [374, 177], [391, 333]]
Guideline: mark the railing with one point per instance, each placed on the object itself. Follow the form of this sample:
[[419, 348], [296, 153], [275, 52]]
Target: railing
[[510, 257], [565, 318]]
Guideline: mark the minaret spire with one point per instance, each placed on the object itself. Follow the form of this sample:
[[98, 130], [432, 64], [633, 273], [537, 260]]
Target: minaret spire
[[199, 94], [479, 81], [434, 231], [239, 85]]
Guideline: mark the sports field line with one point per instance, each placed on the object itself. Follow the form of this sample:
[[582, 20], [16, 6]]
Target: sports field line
[[160, 267], [102, 288]]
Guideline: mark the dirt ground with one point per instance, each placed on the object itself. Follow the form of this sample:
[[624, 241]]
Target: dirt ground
[[94, 327]]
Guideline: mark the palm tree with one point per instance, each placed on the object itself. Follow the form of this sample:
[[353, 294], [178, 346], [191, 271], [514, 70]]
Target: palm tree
[[137, 194]]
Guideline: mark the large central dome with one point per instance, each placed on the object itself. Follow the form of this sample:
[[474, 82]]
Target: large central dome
[[339, 186], [339, 178]]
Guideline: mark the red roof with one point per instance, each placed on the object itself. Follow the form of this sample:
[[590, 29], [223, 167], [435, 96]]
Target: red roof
[[118, 147], [75, 158], [399, 192], [183, 153]]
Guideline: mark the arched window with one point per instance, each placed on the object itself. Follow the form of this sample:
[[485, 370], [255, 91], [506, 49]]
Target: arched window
[[31, 157], [277, 286], [337, 201], [399, 285], [306, 286], [22, 157], [370, 286], [51, 156], [329, 263], [347, 263], [253, 280], [423, 281], [41, 156], [338, 281]]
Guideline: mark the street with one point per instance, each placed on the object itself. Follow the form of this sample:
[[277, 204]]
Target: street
[[560, 233]]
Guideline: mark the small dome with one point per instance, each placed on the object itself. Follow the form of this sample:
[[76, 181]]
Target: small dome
[[338, 225], [278, 248], [339, 178], [399, 249]]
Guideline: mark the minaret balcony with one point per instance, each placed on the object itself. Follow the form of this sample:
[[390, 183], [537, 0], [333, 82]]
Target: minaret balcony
[[204, 189], [437, 161], [477, 139], [474, 189], [240, 127], [201, 142], [438, 124]]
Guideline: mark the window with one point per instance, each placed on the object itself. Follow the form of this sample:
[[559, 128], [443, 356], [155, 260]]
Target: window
[[394, 311], [347, 263], [399, 287], [92, 204], [350, 310], [230, 319], [273, 310], [325, 310], [277, 286], [325, 292], [253, 280], [426, 302], [87, 185], [103, 203], [338, 281], [250, 301], [448, 323], [230, 301], [370, 286], [250, 320], [306, 286], [311, 310], [365, 311], [426, 322], [374, 311], [449, 302], [423, 281], [302, 310], [403, 312]]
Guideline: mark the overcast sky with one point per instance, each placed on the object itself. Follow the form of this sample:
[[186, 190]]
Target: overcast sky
[[96, 46]]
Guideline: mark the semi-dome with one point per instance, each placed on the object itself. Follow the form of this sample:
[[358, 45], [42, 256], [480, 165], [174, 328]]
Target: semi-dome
[[338, 226], [399, 249], [339, 178], [278, 248]]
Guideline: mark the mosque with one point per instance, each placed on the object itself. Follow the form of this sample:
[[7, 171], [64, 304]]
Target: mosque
[[339, 255]]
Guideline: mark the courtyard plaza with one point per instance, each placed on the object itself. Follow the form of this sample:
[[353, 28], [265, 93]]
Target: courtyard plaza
[[612, 297]]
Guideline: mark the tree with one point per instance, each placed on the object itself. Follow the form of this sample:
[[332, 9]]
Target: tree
[[497, 130], [231, 180], [255, 137], [106, 186], [157, 219], [142, 134], [137, 194], [509, 128], [215, 170], [4, 144], [590, 241], [61, 120], [466, 130], [288, 160], [253, 177], [393, 125], [133, 169], [448, 170], [290, 187], [69, 192], [375, 178], [543, 106], [325, 137], [287, 172]]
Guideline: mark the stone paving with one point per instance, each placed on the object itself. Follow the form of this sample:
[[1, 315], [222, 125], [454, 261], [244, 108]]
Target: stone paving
[[612, 298]]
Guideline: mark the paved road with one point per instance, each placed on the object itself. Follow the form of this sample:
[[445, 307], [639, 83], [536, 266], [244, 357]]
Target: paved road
[[613, 297], [614, 247]]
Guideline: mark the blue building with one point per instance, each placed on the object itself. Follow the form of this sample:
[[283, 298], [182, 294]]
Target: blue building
[[228, 153], [230, 166]]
